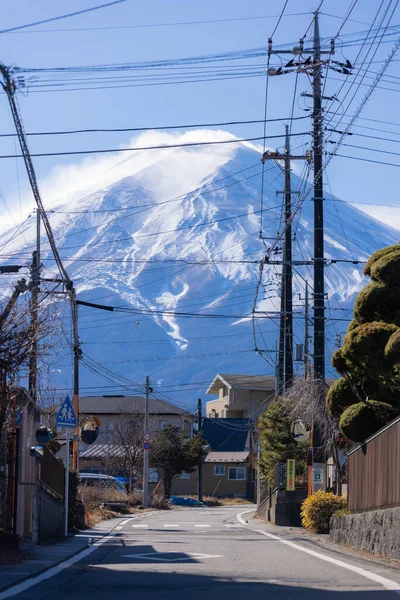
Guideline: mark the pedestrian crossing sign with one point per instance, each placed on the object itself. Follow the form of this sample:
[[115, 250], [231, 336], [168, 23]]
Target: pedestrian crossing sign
[[66, 416]]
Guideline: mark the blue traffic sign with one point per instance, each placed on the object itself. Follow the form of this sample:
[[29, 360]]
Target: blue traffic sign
[[66, 416], [146, 445]]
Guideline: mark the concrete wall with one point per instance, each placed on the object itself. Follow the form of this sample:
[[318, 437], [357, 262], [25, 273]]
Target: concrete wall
[[283, 508], [375, 531]]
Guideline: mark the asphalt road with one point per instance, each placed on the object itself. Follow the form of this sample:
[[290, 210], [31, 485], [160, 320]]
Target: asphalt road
[[207, 554]]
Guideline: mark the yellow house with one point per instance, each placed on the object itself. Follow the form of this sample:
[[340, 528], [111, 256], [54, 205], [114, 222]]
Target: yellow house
[[240, 396]]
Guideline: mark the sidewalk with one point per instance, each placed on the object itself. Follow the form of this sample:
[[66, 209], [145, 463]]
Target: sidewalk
[[41, 558]]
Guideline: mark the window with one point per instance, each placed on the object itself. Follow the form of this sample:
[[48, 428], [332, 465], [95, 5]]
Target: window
[[238, 473], [163, 424], [184, 476], [219, 470]]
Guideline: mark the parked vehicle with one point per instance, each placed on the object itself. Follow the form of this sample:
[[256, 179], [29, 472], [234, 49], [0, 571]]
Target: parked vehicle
[[181, 501], [102, 481]]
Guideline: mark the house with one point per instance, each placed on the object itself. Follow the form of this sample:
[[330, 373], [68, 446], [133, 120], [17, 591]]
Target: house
[[240, 396], [110, 410], [227, 468]]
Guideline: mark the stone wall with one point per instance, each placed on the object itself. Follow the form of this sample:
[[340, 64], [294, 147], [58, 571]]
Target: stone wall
[[375, 531]]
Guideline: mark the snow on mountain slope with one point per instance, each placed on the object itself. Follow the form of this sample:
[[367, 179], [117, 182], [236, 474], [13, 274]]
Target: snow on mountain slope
[[177, 230]]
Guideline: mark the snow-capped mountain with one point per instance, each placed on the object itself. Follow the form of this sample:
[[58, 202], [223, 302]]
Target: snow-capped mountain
[[174, 234]]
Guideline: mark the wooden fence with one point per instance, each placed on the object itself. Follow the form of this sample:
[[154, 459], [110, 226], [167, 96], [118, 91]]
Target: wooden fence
[[374, 471]]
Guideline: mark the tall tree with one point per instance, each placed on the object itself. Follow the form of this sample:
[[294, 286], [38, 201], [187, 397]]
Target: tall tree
[[173, 455], [277, 445], [367, 396]]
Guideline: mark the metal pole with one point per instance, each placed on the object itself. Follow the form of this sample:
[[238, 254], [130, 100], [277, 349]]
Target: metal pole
[[318, 468], [35, 277], [200, 467], [258, 476], [307, 365], [146, 452], [319, 288], [66, 494], [75, 447], [287, 258]]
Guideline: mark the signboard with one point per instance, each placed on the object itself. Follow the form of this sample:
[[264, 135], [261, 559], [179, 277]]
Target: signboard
[[281, 474], [291, 475], [147, 437], [146, 445], [89, 431], [299, 431], [318, 476], [66, 416]]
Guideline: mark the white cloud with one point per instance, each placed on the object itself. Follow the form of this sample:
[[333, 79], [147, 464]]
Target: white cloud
[[74, 183], [390, 215]]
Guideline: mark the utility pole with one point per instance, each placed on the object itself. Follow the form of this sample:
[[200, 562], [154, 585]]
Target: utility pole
[[34, 304], [307, 363], [287, 271], [200, 467], [285, 348], [146, 451], [77, 354], [319, 284], [258, 476]]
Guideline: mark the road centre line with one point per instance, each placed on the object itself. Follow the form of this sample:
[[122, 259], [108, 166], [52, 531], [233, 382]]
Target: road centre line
[[201, 525], [388, 584]]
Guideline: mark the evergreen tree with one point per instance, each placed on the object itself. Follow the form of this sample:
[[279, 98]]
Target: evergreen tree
[[172, 454], [277, 445]]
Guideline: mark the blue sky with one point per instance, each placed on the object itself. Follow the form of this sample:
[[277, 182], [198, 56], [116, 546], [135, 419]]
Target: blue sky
[[119, 39]]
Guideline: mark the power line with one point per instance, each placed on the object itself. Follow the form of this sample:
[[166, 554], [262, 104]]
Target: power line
[[157, 128], [137, 149], [68, 15], [167, 24]]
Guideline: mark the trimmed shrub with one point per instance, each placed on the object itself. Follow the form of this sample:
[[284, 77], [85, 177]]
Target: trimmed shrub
[[340, 396], [352, 325], [392, 349], [377, 302], [339, 362], [377, 256], [365, 345], [318, 509], [361, 420], [387, 269]]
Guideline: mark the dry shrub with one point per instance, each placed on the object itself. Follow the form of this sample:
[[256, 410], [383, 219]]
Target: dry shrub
[[211, 501], [318, 509], [159, 502], [94, 497]]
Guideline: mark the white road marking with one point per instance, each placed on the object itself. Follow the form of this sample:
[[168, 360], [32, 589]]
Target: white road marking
[[239, 516], [25, 585], [201, 525], [171, 525], [140, 526], [388, 584], [231, 526], [156, 556]]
